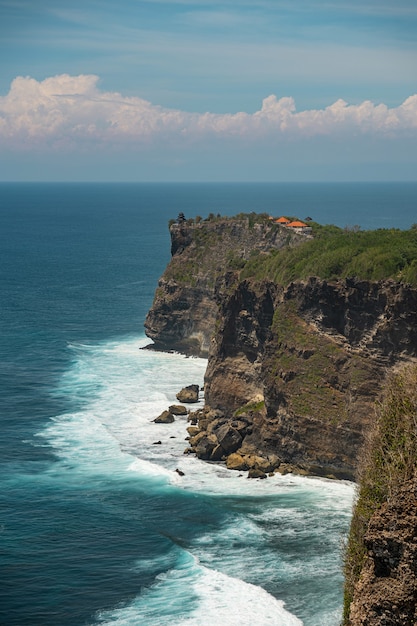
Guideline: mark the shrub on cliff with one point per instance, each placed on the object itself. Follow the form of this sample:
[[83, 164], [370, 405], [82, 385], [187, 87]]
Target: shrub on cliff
[[390, 460], [340, 253]]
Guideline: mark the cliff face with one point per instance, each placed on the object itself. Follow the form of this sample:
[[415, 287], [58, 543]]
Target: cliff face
[[381, 554], [292, 378], [386, 594], [184, 310], [292, 372], [304, 365]]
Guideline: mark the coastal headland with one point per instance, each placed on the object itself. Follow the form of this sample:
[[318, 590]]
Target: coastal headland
[[303, 327]]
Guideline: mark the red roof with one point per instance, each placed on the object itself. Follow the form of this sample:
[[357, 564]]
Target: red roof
[[282, 220], [297, 224]]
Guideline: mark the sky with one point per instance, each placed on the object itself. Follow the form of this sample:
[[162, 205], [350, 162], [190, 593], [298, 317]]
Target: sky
[[194, 90]]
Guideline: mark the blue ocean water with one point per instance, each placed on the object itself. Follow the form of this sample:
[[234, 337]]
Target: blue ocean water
[[96, 525]]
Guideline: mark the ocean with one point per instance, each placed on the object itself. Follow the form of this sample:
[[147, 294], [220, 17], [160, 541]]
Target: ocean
[[97, 526]]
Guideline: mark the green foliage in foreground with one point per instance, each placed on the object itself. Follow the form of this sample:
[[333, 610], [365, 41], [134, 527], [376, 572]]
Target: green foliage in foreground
[[391, 460], [337, 253]]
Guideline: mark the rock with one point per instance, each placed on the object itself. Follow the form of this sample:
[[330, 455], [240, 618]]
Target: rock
[[259, 463], [156, 443], [205, 446], [193, 430], [236, 461], [229, 438], [285, 468], [256, 473], [198, 437], [189, 394], [178, 409], [165, 418], [217, 454]]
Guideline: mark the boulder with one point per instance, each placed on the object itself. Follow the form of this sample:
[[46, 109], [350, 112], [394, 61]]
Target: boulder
[[178, 409], [217, 454], [188, 394], [205, 447], [229, 438], [236, 461], [259, 463], [165, 418], [193, 430], [256, 473]]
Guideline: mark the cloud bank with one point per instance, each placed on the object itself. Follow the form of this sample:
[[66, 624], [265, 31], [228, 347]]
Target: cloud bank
[[71, 111]]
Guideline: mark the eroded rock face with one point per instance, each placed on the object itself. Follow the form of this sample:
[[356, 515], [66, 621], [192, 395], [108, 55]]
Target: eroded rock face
[[306, 364], [184, 309], [386, 593], [302, 364]]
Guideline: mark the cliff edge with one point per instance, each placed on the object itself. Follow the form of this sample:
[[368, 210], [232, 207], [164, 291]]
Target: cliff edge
[[304, 336], [184, 310], [293, 368]]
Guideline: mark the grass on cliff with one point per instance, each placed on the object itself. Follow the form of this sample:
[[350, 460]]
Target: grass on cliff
[[310, 364], [340, 253], [390, 460]]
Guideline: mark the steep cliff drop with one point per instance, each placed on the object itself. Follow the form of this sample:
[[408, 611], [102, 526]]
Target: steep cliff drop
[[184, 310], [301, 367], [293, 372], [381, 555]]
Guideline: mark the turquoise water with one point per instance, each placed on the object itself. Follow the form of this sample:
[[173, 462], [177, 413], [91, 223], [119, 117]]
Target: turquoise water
[[97, 527]]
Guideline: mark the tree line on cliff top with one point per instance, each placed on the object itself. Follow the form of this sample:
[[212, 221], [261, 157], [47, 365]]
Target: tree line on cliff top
[[339, 253]]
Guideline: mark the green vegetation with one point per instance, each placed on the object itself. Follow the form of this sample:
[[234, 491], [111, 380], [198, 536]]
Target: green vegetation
[[312, 381], [391, 460], [339, 253], [251, 407]]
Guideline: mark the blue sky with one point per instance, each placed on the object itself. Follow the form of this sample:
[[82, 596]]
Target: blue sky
[[194, 90]]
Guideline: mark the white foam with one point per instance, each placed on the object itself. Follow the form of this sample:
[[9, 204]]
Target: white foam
[[112, 437], [123, 389], [208, 597]]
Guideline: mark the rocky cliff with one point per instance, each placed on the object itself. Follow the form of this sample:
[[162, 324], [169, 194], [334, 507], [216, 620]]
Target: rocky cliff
[[293, 375], [381, 555], [301, 367], [293, 372], [184, 310]]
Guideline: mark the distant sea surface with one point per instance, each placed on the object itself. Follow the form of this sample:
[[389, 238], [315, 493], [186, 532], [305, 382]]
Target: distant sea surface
[[96, 525]]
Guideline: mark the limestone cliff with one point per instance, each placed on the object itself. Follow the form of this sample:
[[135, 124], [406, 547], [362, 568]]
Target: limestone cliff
[[184, 310], [381, 555], [302, 366], [293, 374]]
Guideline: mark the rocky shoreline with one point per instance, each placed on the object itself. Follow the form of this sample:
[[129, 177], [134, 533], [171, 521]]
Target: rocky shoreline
[[294, 376]]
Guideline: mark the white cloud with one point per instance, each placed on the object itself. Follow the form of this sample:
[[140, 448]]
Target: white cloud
[[68, 111]]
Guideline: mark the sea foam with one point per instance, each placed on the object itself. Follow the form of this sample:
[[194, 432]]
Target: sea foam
[[118, 390], [194, 595]]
